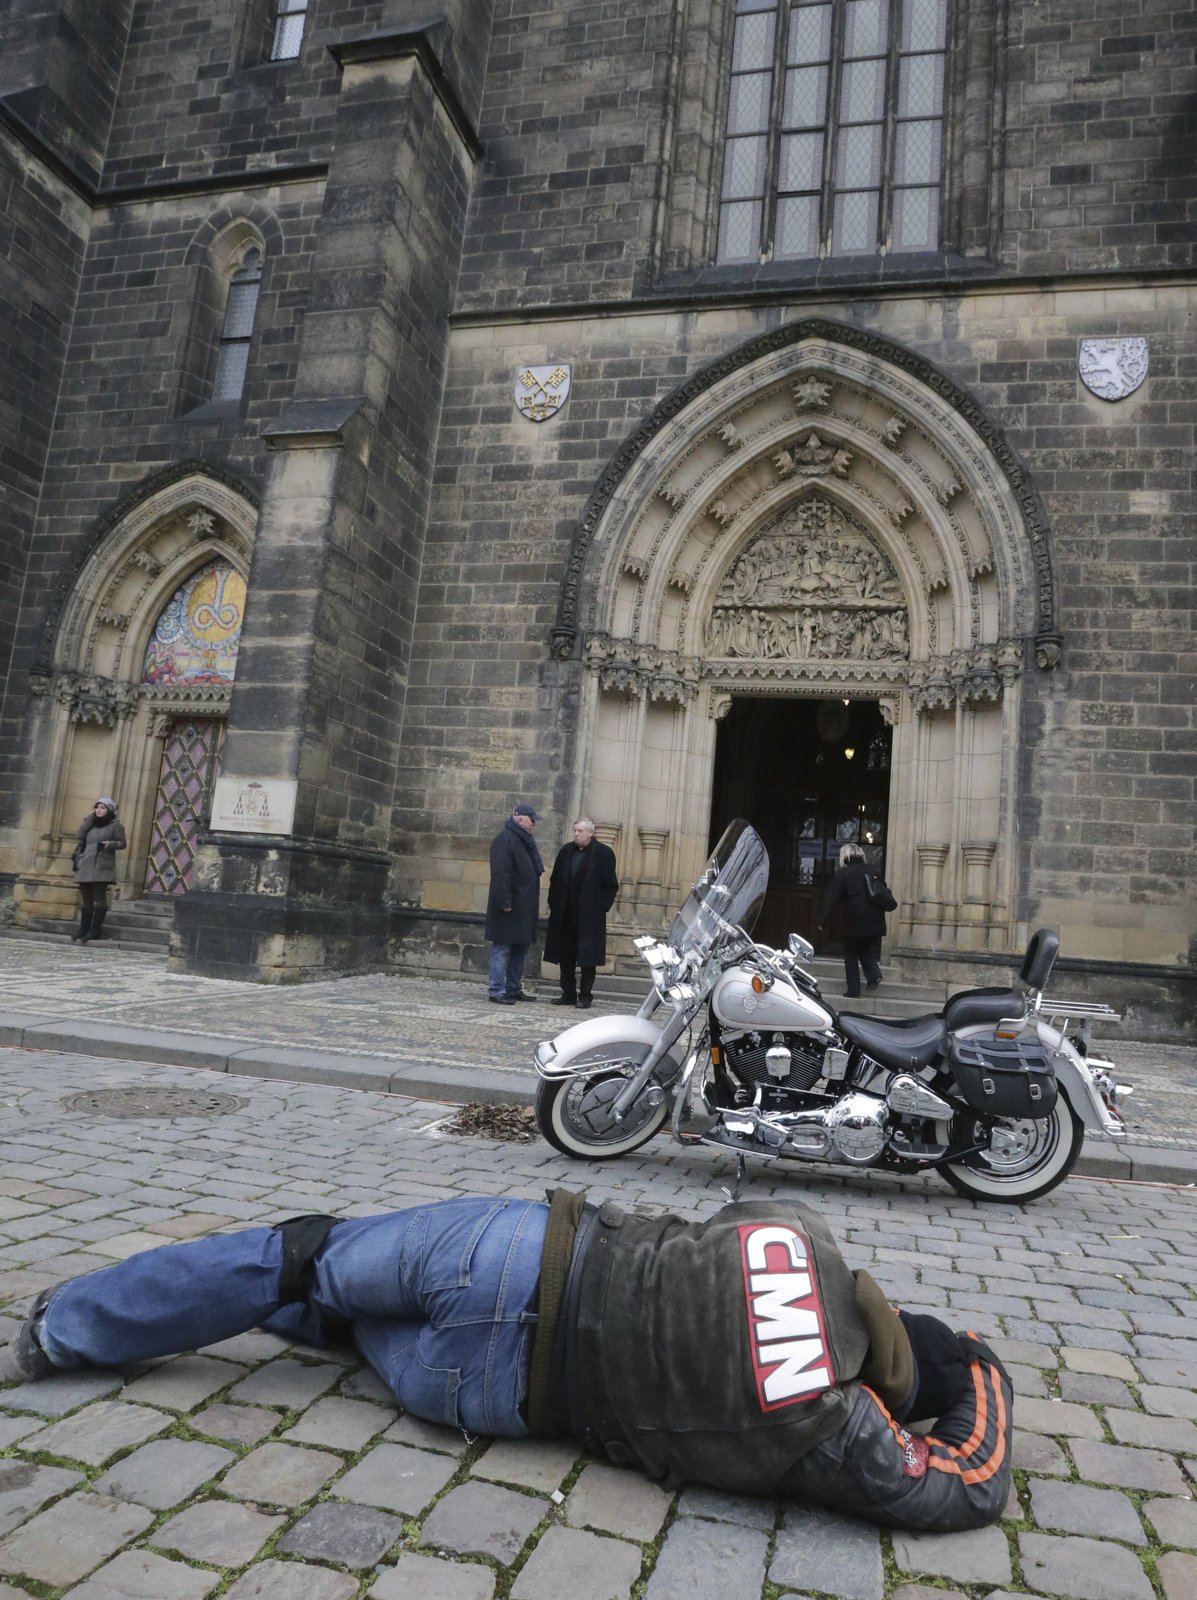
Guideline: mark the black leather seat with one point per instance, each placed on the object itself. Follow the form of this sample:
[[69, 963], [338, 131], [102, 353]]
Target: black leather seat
[[900, 1045], [973, 1006]]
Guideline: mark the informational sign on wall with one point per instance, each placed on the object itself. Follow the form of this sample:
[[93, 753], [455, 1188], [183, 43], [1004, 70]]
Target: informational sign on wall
[[253, 805]]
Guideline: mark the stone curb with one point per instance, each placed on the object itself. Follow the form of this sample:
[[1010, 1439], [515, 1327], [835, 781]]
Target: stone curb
[[1100, 1158]]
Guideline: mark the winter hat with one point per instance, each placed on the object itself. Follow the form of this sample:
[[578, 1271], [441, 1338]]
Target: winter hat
[[941, 1363], [107, 801]]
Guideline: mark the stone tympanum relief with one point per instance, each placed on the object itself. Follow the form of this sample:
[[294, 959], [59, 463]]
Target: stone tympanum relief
[[811, 586]]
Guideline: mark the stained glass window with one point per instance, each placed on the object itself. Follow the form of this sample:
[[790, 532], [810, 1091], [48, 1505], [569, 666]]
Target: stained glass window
[[196, 636], [834, 138]]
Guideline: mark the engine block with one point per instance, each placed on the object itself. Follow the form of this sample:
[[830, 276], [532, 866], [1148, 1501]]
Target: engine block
[[744, 1056]]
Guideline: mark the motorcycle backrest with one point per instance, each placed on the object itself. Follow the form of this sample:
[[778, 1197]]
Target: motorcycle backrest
[[1039, 959]]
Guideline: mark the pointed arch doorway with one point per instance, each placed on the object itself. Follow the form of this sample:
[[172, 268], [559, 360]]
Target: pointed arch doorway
[[818, 515], [810, 775]]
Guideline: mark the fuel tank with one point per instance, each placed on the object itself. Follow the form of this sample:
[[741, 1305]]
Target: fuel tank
[[737, 1004]]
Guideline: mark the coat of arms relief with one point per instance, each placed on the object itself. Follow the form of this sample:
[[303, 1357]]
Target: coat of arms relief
[[812, 586]]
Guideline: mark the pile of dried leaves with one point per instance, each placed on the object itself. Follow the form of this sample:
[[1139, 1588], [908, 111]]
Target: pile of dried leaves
[[516, 1124]]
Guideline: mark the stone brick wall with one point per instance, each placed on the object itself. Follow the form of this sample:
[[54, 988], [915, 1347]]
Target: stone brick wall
[[60, 70], [1100, 140], [571, 120], [200, 98], [43, 239]]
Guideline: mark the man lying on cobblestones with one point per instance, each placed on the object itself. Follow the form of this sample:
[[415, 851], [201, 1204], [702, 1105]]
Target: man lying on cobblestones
[[739, 1352]]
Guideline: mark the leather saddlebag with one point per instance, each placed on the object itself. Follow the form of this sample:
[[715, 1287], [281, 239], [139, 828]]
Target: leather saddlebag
[[1004, 1077]]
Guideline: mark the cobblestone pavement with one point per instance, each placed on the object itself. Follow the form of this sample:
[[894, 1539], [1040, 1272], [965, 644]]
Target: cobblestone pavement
[[431, 1036], [272, 1472]]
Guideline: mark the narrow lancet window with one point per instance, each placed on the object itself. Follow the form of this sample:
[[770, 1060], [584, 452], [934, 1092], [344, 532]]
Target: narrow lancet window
[[233, 358]]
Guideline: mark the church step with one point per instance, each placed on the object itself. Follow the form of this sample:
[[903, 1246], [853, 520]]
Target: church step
[[138, 938], [147, 939], [158, 914]]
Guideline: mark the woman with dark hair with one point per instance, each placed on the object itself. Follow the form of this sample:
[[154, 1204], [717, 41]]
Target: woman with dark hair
[[99, 836], [863, 923]]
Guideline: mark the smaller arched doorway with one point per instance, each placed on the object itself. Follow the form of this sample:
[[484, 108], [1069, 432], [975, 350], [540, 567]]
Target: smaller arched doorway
[[135, 689]]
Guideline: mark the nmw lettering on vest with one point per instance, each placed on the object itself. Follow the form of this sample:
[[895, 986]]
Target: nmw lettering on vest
[[789, 1348]]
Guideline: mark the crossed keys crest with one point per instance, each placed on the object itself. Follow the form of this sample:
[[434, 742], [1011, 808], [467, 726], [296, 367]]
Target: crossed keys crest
[[540, 392]]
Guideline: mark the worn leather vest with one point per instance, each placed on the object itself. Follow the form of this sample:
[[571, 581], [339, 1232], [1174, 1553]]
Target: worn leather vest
[[718, 1352]]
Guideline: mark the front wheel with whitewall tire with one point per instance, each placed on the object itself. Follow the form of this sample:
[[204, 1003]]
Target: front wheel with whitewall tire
[[574, 1114]]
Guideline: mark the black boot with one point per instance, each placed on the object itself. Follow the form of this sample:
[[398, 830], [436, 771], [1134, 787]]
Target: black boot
[[97, 921], [84, 924]]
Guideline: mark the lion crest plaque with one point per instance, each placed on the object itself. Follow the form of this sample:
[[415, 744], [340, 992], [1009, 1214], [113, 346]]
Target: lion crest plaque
[[540, 392], [1112, 368]]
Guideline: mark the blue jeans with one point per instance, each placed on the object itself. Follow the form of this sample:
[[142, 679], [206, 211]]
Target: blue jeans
[[441, 1299], [505, 971]]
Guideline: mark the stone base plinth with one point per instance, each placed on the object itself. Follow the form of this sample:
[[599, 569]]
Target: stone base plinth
[[282, 911]]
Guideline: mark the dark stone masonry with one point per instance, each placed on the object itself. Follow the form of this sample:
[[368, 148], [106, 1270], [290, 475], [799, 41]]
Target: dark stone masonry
[[863, 349]]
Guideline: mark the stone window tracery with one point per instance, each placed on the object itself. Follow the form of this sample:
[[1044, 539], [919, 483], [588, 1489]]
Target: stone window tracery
[[834, 129]]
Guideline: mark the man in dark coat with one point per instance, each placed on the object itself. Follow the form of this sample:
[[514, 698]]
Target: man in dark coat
[[515, 873], [582, 890], [863, 923]]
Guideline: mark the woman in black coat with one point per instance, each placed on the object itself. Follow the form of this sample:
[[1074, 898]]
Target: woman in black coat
[[582, 890], [863, 923]]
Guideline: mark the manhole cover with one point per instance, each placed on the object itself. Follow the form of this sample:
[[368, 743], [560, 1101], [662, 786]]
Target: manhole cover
[[153, 1103]]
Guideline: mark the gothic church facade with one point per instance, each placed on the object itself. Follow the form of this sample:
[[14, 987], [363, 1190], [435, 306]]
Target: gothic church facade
[[708, 407]]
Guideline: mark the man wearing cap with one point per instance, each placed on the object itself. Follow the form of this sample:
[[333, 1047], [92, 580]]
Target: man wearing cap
[[511, 907], [738, 1352]]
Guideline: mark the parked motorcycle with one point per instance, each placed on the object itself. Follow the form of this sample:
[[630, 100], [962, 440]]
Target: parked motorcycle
[[994, 1092]]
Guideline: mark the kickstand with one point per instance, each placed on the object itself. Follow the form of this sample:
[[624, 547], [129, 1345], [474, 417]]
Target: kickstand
[[734, 1194]]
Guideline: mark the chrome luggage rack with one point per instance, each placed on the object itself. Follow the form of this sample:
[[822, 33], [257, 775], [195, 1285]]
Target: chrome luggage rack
[[1076, 1018], [1062, 1014]]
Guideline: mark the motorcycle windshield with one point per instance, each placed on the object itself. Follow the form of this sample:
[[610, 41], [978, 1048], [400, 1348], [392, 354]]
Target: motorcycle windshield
[[731, 890]]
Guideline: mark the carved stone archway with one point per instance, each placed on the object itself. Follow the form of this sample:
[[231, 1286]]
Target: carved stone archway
[[97, 727], [822, 516]]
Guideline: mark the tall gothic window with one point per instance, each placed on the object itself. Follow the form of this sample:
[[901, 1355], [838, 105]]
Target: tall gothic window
[[233, 357], [834, 129], [288, 29]]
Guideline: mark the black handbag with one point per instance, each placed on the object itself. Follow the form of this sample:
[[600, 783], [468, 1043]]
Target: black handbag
[[880, 894]]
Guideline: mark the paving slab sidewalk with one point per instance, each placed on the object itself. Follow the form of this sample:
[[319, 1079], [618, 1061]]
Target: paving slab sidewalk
[[430, 1038]]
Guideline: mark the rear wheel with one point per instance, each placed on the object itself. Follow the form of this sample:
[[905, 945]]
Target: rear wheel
[[574, 1114], [1024, 1159]]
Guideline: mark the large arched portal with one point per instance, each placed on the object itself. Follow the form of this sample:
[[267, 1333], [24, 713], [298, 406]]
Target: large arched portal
[[824, 519]]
